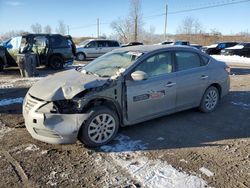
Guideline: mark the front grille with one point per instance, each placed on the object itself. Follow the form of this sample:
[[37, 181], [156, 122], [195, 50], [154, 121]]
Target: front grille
[[30, 102], [46, 133]]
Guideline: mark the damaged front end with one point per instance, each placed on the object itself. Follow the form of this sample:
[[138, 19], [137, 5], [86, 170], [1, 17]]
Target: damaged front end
[[52, 122], [55, 117]]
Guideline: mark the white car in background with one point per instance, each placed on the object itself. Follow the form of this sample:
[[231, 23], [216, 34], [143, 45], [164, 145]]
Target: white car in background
[[93, 48]]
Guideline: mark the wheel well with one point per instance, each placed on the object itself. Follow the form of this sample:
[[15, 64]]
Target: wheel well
[[81, 53], [105, 102], [56, 55], [217, 86]]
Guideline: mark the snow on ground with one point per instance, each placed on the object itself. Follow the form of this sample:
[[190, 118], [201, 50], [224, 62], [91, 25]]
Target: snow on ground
[[233, 60], [4, 129], [18, 82], [127, 154], [241, 104], [206, 171], [31, 147], [6, 102]]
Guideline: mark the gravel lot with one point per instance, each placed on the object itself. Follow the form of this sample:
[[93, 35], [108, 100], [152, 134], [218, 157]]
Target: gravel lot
[[187, 148]]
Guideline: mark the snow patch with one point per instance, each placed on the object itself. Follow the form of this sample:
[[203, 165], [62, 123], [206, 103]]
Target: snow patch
[[150, 173], [234, 59], [183, 160], [31, 147], [237, 47], [3, 130], [241, 104], [124, 143], [160, 138], [5, 102], [20, 82], [206, 171]]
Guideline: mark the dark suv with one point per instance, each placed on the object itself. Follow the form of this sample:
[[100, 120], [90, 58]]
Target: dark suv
[[53, 50], [2, 58], [215, 49]]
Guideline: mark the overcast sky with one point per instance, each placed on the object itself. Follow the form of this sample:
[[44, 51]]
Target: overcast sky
[[81, 15]]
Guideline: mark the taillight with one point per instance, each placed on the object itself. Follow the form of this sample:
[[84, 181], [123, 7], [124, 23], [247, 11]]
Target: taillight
[[227, 69]]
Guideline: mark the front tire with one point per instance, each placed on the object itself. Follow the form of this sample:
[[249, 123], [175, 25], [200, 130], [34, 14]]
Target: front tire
[[80, 56], [100, 128], [1, 65], [210, 100]]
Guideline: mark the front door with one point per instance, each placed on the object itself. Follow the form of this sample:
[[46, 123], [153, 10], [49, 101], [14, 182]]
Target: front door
[[155, 95]]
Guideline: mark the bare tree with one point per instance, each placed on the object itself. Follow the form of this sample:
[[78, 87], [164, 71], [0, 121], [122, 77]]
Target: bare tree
[[190, 25], [128, 29], [122, 28], [13, 33], [47, 29], [36, 28], [61, 29], [135, 16]]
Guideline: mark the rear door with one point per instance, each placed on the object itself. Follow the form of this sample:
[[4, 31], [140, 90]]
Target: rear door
[[155, 95], [192, 78]]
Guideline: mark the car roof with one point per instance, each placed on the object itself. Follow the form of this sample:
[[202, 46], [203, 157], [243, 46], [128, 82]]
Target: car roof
[[101, 39], [150, 48]]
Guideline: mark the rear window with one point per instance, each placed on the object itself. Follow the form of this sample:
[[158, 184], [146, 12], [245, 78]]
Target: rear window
[[58, 41], [113, 43]]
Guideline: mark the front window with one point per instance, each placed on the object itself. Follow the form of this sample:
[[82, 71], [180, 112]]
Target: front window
[[83, 43], [157, 64], [111, 64]]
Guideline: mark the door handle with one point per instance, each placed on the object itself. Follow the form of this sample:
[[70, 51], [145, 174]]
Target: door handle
[[204, 77], [170, 84]]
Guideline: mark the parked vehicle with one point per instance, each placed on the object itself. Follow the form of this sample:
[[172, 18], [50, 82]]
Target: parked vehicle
[[2, 58], [93, 48], [199, 47], [181, 42], [123, 87], [216, 48], [132, 44], [167, 43], [53, 50], [242, 49]]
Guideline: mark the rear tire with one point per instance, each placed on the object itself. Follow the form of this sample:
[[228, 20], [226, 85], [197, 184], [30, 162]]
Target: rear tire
[[210, 100], [80, 56], [56, 62], [100, 128], [1, 65]]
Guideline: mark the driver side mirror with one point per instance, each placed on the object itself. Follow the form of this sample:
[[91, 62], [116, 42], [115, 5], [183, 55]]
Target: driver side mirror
[[139, 75]]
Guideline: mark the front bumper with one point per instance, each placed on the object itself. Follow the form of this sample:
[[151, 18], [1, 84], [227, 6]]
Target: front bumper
[[49, 127]]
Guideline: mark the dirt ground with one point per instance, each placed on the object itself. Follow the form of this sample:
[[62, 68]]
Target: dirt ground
[[188, 141]]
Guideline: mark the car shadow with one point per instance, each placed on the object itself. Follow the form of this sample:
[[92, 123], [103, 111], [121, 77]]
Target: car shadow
[[189, 128]]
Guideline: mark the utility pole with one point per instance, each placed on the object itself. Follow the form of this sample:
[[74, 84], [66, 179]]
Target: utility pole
[[166, 19], [136, 28], [68, 29], [98, 34]]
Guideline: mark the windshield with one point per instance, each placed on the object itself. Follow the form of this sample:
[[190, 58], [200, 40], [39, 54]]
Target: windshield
[[83, 43], [111, 64]]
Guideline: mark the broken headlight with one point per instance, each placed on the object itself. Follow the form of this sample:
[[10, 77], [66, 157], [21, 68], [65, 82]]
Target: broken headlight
[[49, 107], [69, 106]]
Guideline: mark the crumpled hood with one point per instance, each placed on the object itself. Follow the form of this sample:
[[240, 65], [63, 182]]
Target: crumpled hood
[[65, 85]]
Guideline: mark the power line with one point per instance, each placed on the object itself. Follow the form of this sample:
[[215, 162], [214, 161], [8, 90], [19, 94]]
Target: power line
[[174, 12], [207, 7]]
